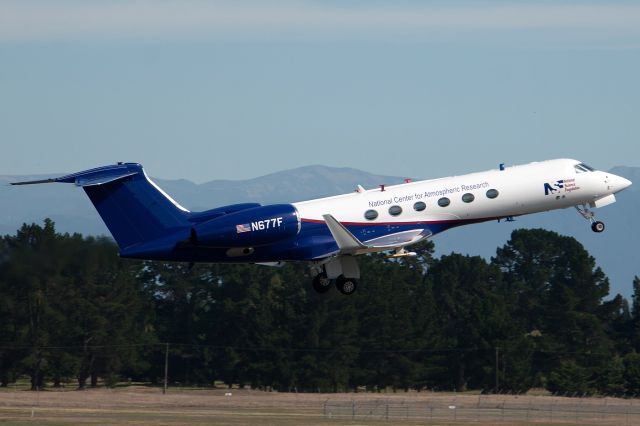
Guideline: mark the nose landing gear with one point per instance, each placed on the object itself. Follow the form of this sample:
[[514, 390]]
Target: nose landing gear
[[596, 225]]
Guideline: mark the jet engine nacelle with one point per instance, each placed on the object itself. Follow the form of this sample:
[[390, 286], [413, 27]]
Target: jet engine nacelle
[[248, 228]]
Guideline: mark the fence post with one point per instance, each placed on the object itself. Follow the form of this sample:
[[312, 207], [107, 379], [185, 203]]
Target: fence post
[[166, 367], [497, 368], [353, 409], [627, 418], [386, 411]]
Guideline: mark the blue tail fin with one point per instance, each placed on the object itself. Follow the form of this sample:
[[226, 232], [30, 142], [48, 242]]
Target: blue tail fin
[[134, 208]]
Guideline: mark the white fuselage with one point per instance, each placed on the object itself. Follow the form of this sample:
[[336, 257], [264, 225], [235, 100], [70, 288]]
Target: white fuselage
[[529, 188]]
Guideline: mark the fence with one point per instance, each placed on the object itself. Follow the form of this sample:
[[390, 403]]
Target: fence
[[491, 409]]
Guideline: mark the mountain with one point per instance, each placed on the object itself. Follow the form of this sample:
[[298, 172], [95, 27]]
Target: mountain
[[615, 249], [72, 211]]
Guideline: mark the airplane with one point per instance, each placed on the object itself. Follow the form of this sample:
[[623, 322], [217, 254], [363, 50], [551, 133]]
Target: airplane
[[147, 223]]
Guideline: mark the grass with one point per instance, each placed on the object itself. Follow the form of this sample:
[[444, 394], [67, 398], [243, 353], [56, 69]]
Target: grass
[[141, 405]]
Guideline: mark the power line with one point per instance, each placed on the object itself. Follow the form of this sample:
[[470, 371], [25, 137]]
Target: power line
[[286, 349]]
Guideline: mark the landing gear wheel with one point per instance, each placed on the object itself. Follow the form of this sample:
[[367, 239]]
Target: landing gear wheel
[[596, 225], [346, 285], [321, 283]]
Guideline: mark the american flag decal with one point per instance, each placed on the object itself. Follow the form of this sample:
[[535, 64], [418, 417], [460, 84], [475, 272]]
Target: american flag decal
[[245, 227]]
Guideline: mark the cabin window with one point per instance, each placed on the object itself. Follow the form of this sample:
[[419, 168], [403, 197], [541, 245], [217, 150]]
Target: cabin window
[[370, 214], [492, 193], [444, 202], [468, 197], [419, 206], [395, 210]]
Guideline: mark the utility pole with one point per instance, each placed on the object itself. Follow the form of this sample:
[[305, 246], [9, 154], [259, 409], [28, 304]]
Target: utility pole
[[497, 368], [166, 367]]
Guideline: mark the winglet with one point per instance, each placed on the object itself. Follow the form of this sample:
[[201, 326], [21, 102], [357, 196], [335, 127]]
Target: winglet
[[347, 243]]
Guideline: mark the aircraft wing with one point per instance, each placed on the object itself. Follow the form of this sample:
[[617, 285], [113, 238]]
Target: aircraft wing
[[349, 244]]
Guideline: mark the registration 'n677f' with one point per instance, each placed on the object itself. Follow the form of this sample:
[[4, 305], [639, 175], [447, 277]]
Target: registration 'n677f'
[[261, 225]]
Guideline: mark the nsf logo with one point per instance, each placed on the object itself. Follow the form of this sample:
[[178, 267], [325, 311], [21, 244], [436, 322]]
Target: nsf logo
[[551, 188]]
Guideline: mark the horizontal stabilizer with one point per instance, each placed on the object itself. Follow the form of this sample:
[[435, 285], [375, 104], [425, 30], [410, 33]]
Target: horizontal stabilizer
[[33, 182], [97, 176]]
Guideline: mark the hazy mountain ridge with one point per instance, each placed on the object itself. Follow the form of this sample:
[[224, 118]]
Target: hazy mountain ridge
[[615, 249]]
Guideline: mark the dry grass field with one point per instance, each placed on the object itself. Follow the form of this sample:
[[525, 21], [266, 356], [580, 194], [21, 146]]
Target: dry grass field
[[147, 405]]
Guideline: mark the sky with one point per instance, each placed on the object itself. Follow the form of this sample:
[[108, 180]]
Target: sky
[[205, 90]]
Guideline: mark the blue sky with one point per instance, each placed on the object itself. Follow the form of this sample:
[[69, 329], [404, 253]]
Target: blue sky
[[209, 90]]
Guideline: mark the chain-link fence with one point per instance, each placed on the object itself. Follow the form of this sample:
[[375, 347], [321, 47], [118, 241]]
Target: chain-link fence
[[491, 409]]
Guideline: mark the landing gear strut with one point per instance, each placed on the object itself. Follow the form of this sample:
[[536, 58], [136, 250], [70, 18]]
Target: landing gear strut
[[343, 269], [596, 225]]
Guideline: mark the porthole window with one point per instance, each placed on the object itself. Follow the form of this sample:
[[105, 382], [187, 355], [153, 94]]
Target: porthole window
[[444, 202], [492, 193], [395, 210], [468, 197], [419, 206], [370, 214]]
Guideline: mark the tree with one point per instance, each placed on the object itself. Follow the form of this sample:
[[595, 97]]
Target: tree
[[557, 292], [33, 277], [9, 320], [634, 321], [631, 373], [386, 323], [72, 306], [472, 318], [570, 378], [186, 311]]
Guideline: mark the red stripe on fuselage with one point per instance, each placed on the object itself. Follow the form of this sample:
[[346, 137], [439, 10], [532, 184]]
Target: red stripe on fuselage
[[424, 222]]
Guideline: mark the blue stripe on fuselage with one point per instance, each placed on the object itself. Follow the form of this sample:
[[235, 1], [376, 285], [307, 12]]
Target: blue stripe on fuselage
[[313, 242]]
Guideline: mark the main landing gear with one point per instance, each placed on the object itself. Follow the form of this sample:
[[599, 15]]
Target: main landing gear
[[341, 270], [596, 225], [322, 284], [346, 285]]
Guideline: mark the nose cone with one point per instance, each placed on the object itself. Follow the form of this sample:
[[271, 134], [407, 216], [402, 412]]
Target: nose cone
[[618, 183]]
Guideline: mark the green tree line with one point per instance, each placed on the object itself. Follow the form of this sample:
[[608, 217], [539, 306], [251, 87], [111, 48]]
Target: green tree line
[[538, 314]]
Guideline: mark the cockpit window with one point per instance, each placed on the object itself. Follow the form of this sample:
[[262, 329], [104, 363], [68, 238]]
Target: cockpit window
[[583, 168], [591, 169]]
